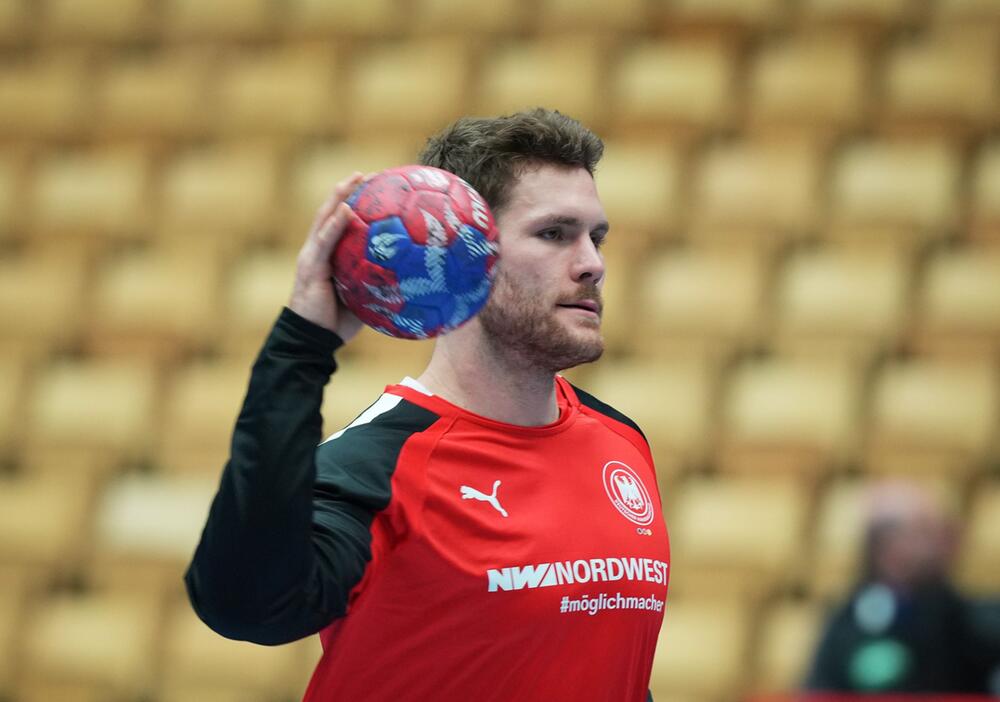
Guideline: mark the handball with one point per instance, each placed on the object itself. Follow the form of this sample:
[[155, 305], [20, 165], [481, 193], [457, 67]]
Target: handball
[[417, 257]]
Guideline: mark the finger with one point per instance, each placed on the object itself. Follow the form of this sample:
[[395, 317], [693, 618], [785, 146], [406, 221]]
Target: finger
[[332, 230], [340, 192]]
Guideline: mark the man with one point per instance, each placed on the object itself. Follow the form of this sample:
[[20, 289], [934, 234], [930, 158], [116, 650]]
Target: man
[[485, 531], [905, 629]]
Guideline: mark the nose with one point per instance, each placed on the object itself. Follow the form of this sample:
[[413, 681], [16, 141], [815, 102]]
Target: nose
[[588, 264]]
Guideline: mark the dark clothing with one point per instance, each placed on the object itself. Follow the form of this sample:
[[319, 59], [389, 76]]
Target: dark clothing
[[926, 641]]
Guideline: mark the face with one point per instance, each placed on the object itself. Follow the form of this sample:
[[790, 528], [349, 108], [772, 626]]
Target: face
[[546, 307]]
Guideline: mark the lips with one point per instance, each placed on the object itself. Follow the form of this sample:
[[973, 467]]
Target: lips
[[586, 304]]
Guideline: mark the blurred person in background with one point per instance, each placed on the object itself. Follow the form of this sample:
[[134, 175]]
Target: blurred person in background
[[905, 628]]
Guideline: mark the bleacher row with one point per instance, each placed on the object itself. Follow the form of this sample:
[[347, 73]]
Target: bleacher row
[[824, 77], [803, 291]]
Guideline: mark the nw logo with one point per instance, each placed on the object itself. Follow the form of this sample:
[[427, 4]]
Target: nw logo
[[473, 494]]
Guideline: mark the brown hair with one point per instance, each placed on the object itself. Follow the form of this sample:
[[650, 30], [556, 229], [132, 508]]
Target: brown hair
[[491, 152]]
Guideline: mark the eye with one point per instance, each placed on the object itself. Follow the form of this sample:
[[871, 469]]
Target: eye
[[599, 238], [550, 234]]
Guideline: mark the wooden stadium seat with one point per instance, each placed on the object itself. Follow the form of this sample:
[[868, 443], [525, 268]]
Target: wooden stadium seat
[[678, 429], [200, 406], [407, 88], [40, 298], [89, 647], [838, 535], [622, 258], [102, 192], [156, 302], [13, 181], [322, 19], [947, 79], [895, 185], [736, 535], [287, 90], [431, 17], [199, 664], [836, 543], [225, 188], [978, 569], [15, 21], [704, 299], [809, 81], [399, 357], [750, 14], [259, 284], [879, 13], [317, 170], [221, 20], [985, 214], [768, 185], [14, 379], [846, 300], [97, 20], [790, 416], [99, 406], [973, 12], [44, 97], [556, 72], [958, 307], [146, 530], [786, 643], [590, 15], [682, 86], [702, 649], [43, 523], [89, 467], [933, 416], [13, 603], [639, 183], [160, 94]]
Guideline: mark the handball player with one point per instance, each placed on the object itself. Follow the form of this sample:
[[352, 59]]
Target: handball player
[[485, 531]]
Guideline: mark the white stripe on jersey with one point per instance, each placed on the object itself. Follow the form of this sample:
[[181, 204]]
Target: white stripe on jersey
[[383, 404], [416, 385]]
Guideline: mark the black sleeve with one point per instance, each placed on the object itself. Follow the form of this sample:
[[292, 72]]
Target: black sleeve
[[280, 553], [607, 410]]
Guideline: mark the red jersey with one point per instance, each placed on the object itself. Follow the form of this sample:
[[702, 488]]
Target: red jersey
[[450, 556]]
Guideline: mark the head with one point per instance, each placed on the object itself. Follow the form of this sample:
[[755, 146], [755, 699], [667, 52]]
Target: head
[[535, 170], [908, 537]]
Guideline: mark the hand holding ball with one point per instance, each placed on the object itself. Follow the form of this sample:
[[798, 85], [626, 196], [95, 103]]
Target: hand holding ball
[[417, 258]]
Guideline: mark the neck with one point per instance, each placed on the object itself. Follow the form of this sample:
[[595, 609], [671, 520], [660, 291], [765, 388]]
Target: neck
[[469, 371]]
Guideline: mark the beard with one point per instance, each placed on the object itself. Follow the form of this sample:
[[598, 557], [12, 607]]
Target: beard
[[517, 322]]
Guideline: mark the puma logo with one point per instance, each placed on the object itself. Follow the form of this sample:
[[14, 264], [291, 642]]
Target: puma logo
[[473, 494]]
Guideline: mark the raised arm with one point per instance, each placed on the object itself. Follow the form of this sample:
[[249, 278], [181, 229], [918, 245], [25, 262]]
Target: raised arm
[[279, 553]]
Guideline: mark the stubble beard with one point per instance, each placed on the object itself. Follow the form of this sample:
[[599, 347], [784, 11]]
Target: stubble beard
[[517, 323]]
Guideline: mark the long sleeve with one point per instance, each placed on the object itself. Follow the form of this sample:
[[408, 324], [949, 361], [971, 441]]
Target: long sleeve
[[278, 556]]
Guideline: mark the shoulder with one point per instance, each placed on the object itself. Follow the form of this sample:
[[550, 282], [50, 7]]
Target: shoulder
[[378, 434], [596, 406]]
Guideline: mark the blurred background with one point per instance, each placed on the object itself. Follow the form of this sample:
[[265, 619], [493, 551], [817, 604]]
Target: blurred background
[[803, 293]]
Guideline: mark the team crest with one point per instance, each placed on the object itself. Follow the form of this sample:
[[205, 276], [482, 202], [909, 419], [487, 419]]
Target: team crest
[[627, 493]]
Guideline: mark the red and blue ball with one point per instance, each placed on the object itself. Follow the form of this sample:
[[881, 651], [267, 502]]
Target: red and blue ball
[[418, 256]]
